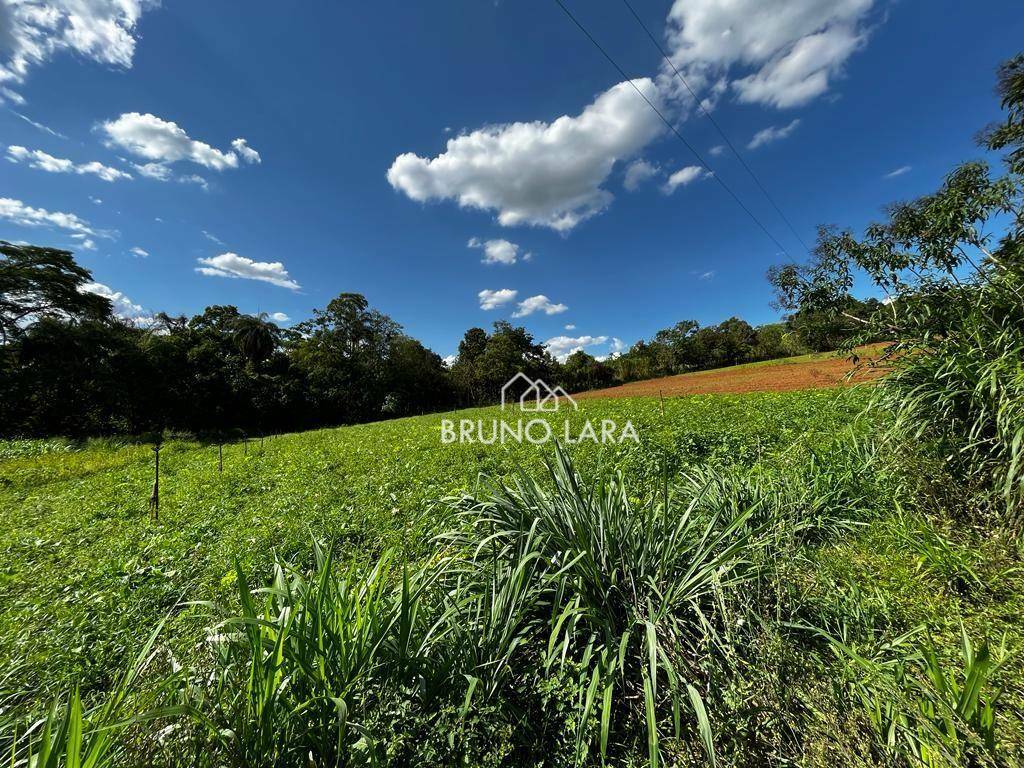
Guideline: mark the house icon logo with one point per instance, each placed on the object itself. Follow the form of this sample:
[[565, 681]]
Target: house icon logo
[[536, 396]]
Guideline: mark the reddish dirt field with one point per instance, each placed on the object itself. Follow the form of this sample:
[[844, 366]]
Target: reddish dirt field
[[783, 376]]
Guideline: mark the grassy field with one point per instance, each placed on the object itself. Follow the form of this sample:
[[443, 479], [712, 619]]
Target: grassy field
[[85, 575]]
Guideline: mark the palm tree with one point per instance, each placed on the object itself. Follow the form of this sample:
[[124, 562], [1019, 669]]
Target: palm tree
[[256, 337]]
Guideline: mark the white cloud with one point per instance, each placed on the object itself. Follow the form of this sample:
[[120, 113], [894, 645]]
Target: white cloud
[[783, 53], [537, 173], [498, 251], [38, 126], [33, 31], [772, 133], [493, 299], [163, 142], [616, 346], [280, 317], [84, 241], [17, 212], [212, 237], [194, 178], [683, 177], [801, 74], [6, 94], [717, 150], [449, 360], [246, 152], [123, 306], [95, 200], [898, 172], [233, 265], [140, 252], [637, 173], [561, 347], [570, 327], [36, 158], [539, 303], [153, 171]]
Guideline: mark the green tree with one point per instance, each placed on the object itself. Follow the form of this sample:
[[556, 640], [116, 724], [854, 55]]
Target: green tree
[[43, 282], [256, 337]]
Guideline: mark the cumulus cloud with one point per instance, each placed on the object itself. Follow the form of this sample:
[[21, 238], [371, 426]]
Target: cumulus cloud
[[898, 172], [772, 133], [36, 158], [498, 251], [803, 73], [95, 200], [123, 306], [717, 150], [162, 142], [17, 212], [570, 327], [33, 31], [247, 153], [153, 171], [782, 53], [235, 266], [140, 252], [537, 173], [561, 347], [494, 299], [637, 173], [683, 177], [540, 303], [84, 241], [280, 317]]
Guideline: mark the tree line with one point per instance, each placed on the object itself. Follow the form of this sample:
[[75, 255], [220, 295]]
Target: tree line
[[70, 366]]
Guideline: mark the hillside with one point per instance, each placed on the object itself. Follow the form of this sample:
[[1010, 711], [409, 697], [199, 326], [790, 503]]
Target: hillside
[[813, 371]]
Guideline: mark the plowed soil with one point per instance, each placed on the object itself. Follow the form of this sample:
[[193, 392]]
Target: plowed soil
[[807, 372]]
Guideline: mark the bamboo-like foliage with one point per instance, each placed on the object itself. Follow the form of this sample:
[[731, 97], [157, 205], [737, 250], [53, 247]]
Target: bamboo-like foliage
[[629, 594], [72, 735]]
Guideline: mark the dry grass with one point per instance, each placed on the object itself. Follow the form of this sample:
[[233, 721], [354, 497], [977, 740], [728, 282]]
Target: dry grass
[[816, 371]]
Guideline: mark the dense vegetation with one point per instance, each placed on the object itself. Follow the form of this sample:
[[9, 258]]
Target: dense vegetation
[[818, 578]]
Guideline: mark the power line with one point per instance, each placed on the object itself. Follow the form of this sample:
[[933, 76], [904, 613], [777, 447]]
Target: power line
[[672, 128], [714, 122]]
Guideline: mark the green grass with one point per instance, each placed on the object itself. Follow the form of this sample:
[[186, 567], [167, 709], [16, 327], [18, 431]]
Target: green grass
[[85, 575]]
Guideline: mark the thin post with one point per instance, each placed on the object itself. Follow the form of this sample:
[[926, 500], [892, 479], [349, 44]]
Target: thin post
[[220, 457], [154, 499]]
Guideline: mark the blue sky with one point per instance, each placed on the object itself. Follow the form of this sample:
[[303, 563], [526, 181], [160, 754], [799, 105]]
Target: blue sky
[[280, 157]]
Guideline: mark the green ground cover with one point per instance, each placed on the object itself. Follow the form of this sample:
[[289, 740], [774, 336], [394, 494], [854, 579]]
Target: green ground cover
[[85, 575]]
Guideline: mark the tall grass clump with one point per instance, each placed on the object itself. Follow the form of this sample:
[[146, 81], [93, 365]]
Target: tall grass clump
[[962, 392], [557, 617], [632, 596], [926, 710], [74, 735], [297, 669]]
